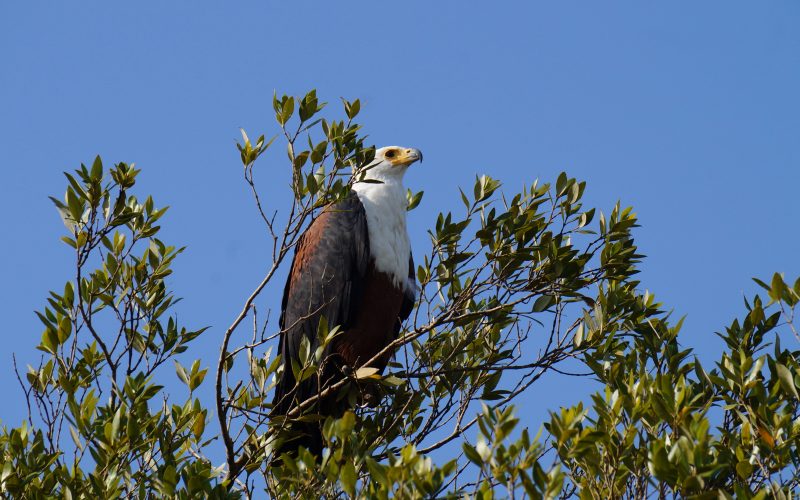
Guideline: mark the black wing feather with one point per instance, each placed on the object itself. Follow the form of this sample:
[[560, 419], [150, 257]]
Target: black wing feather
[[325, 280]]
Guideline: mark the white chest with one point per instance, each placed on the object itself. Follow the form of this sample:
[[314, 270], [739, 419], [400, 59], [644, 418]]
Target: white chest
[[385, 206]]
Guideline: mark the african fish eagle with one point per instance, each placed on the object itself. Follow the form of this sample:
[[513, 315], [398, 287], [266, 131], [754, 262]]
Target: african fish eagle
[[353, 266]]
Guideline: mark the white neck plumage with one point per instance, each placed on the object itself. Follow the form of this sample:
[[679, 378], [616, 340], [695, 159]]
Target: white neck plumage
[[385, 205]]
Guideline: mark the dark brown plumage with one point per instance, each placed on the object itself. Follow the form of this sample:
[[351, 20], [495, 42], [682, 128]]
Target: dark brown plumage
[[334, 276]]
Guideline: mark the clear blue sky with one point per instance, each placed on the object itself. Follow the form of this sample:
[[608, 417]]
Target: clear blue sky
[[689, 111]]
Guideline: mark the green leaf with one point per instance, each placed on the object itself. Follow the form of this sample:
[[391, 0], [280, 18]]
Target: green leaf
[[464, 199], [75, 205], [69, 294], [97, 169], [413, 199], [472, 454], [64, 330], [744, 469], [761, 284], [76, 437], [561, 183], [378, 472], [484, 187], [542, 303], [308, 105], [181, 371], [75, 185], [352, 108], [392, 380], [578, 339], [305, 350], [366, 372], [115, 423], [348, 478], [199, 425], [197, 379], [49, 341], [777, 287], [286, 111], [786, 380]]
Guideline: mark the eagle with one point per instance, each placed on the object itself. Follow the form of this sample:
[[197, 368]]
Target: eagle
[[353, 267]]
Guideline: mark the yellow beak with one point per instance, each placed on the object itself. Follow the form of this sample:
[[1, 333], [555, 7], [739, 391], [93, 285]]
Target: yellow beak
[[406, 157]]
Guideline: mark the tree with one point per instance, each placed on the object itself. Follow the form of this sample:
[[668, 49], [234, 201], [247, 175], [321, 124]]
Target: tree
[[515, 286]]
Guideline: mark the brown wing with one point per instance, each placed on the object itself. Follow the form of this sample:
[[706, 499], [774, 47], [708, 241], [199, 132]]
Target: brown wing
[[325, 280]]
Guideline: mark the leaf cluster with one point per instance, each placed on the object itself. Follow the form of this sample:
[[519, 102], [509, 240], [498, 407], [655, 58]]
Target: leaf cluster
[[105, 337], [519, 284]]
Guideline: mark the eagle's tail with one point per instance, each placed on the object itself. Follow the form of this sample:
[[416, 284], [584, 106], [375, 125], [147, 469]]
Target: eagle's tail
[[295, 434]]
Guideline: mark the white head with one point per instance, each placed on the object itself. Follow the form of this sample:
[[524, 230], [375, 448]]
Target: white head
[[391, 163], [385, 205]]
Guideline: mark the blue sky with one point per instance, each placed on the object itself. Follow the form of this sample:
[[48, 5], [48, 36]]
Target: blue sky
[[689, 111]]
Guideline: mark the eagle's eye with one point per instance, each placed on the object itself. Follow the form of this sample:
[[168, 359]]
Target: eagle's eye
[[390, 154]]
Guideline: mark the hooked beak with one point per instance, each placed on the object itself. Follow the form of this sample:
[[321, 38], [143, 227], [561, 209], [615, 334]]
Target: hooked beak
[[408, 156]]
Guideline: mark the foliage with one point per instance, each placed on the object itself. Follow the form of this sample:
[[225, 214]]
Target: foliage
[[665, 424], [105, 338], [512, 287]]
